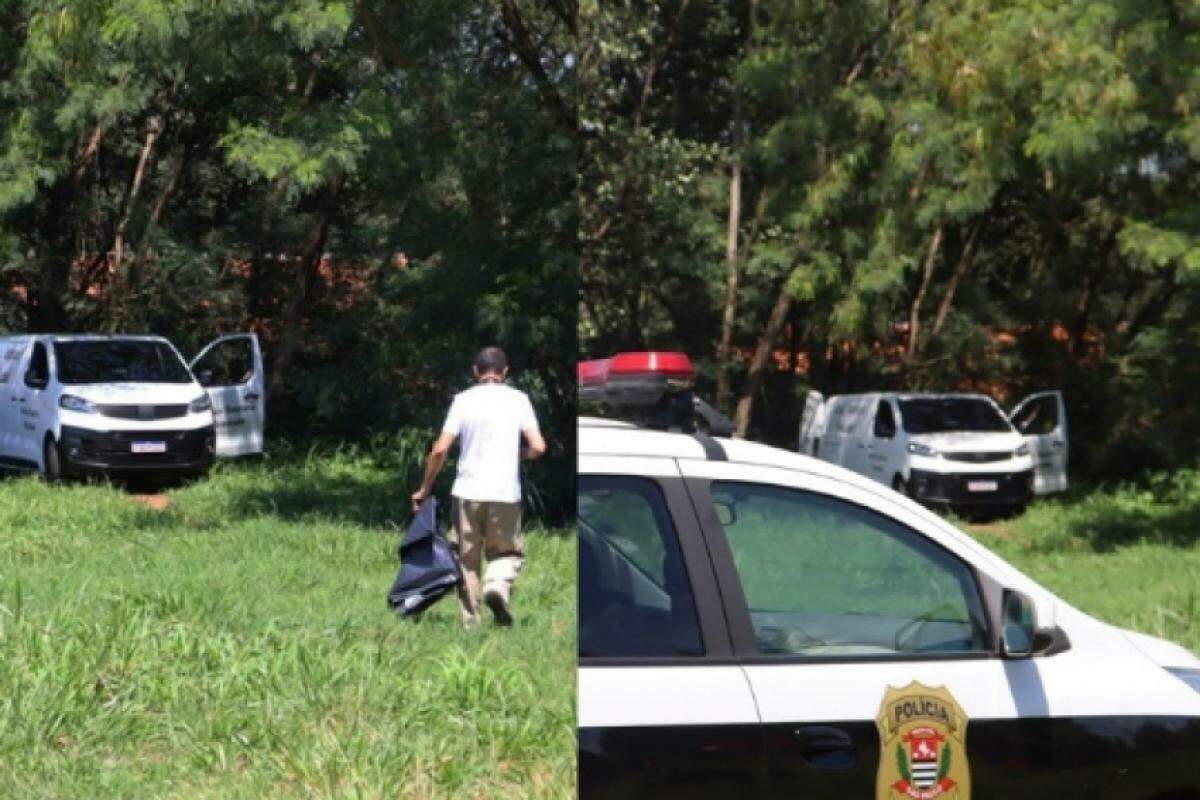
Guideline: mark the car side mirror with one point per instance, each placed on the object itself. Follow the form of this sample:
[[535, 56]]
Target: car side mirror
[[1018, 625]]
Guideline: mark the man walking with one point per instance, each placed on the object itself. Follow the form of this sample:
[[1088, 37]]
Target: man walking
[[490, 419]]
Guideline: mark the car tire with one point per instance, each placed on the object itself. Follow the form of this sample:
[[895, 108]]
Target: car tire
[[52, 470]]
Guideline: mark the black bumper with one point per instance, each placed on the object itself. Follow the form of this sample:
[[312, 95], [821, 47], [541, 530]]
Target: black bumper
[[85, 451], [1013, 489]]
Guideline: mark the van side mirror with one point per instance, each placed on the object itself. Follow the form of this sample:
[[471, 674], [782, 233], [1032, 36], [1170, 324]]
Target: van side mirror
[[1018, 625], [204, 377]]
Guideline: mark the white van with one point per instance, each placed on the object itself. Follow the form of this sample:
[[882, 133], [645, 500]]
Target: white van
[[76, 404], [952, 450]]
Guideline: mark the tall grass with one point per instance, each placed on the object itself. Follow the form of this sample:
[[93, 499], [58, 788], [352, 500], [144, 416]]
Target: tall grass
[[237, 644]]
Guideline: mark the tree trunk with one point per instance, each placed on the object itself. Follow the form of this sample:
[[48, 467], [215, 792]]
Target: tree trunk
[[306, 278], [153, 130], [1091, 287], [914, 311], [45, 306], [965, 259], [729, 312], [762, 359]]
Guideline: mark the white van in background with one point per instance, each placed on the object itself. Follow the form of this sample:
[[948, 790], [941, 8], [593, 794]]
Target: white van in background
[[953, 450], [119, 405]]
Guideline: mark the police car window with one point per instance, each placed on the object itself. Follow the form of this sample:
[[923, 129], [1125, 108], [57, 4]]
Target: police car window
[[823, 577], [634, 595]]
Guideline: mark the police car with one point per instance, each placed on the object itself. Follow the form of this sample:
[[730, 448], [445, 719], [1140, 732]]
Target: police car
[[754, 623]]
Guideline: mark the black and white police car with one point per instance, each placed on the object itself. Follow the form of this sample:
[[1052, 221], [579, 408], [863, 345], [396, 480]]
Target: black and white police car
[[754, 623]]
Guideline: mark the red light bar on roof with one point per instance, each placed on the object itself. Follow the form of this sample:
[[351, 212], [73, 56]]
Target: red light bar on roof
[[635, 379], [593, 373], [671, 365]]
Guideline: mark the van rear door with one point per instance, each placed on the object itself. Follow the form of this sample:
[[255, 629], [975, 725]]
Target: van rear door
[[231, 370], [12, 372], [1042, 419], [812, 423]]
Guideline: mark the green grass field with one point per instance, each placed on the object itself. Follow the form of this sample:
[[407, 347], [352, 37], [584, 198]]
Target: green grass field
[[1130, 556], [237, 644]]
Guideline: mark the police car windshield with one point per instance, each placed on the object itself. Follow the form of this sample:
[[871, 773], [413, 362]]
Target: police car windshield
[[949, 414], [119, 361]]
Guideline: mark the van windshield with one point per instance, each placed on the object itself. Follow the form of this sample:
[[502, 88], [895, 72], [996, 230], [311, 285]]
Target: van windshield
[[119, 361], [948, 414]]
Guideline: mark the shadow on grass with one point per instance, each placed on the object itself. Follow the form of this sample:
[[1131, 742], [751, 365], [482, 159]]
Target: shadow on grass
[[1105, 528], [373, 495], [1168, 513]]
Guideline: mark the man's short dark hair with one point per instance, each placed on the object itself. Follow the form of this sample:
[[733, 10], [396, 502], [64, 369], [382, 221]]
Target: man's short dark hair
[[491, 359]]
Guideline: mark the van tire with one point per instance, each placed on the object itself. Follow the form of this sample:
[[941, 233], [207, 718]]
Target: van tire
[[51, 460], [900, 486]]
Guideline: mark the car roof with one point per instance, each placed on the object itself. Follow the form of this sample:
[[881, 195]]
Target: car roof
[[101, 337], [916, 395], [617, 438]]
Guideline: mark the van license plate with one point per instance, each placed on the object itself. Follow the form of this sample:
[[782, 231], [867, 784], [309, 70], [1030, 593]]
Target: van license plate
[[982, 486], [148, 447]]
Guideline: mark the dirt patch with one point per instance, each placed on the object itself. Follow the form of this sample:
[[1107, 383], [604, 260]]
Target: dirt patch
[[159, 502], [990, 529]]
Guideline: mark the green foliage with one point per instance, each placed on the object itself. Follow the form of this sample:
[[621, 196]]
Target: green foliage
[[292, 151], [1017, 178]]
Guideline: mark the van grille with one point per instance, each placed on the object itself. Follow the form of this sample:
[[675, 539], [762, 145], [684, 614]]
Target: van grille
[[979, 458], [144, 411]]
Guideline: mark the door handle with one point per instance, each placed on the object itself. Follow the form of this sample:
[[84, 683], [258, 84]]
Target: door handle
[[1058, 444], [825, 747], [252, 396]]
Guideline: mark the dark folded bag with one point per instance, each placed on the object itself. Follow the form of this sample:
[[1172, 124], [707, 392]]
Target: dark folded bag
[[428, 568]]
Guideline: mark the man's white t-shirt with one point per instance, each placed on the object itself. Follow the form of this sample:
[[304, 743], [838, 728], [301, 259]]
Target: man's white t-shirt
[[488, 420]]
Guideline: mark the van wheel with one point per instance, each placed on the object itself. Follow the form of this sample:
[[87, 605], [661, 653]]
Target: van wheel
[[900, 486], [51, 461]]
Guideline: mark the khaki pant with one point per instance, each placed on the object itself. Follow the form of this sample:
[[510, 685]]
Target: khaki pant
[[492, 530]]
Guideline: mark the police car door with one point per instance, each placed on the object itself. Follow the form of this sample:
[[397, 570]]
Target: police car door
[[664, 712], [1042, 419], [867, 644], [231, 370]]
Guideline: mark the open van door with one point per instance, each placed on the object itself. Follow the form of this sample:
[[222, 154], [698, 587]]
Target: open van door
[[1042, 419], [231, 370], [812, 423]]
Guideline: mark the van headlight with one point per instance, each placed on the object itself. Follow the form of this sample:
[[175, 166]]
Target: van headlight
[[73, 402], [200, 404], [916, 448], [1189, 676], [1023, 450]]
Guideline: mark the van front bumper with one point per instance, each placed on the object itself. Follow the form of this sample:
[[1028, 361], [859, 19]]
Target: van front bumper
[[1013, 489], [85, 451]]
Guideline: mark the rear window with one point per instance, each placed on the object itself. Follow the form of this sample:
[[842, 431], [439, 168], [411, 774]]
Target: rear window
[[119, 361], [947, 414]]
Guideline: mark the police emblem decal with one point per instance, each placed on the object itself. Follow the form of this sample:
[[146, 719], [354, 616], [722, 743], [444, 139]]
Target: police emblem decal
[[922, 745]]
